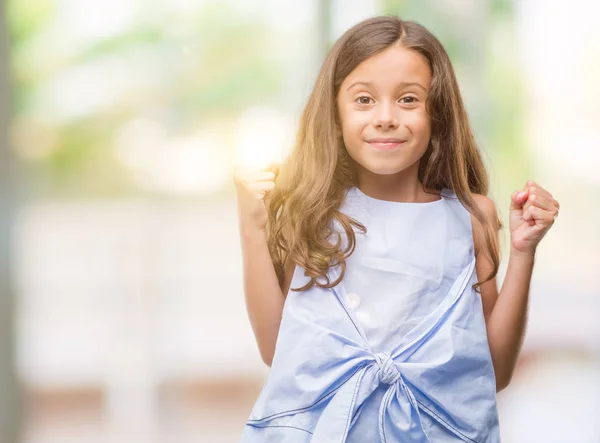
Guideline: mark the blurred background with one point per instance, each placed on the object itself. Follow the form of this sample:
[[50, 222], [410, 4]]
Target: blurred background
[[121, 303]]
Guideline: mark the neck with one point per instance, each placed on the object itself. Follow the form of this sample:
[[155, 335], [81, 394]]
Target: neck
[[401, 187]]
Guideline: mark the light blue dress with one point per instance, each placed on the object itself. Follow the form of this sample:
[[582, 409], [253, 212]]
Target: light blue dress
[[398, 351]]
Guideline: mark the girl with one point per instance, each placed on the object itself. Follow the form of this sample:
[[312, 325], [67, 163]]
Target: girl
[[369, 271]]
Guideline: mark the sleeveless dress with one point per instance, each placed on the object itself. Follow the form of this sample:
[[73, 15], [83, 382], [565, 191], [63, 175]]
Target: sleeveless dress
[[398, 351]]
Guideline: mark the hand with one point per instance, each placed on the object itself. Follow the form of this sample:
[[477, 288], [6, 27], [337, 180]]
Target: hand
[[252, 189], [533, 211]]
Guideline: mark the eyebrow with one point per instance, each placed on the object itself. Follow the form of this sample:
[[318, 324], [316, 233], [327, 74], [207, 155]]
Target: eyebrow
[[403, 84]]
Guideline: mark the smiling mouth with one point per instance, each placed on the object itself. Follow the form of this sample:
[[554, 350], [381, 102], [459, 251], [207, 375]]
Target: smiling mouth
[[386, 145]]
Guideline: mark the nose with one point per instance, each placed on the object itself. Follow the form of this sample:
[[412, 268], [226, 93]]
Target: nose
[[386, 117]]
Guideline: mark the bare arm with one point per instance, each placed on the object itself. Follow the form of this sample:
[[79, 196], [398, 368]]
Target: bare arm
[[505, 312], [532, 213], [507, 324], [264, 297]]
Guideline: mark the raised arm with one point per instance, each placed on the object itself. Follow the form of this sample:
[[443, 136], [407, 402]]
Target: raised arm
[[264, 297], [531, 215], [505, 314]]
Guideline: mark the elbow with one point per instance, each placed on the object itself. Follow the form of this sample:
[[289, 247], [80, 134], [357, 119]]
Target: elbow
[[267, 357], [267, 361], [503, 382]]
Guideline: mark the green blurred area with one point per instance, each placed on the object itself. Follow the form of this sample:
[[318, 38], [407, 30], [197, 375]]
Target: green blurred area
[[217, 66], [187, 69]]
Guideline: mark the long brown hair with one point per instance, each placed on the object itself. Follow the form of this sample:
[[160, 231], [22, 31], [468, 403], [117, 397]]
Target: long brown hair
[[311, 184]]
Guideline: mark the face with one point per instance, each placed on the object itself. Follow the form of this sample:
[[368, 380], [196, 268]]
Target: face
[[382, 109]]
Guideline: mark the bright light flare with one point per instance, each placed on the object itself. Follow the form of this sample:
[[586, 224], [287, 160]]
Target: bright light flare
[[264, 136]]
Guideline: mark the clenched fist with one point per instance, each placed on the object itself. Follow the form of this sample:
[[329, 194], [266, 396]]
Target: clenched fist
[[253, 188], [533, 211]]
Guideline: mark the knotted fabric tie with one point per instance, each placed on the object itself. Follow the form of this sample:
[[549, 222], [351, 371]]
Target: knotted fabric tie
[[388, 372]]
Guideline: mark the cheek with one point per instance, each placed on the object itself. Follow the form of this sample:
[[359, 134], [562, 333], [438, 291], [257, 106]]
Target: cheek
[[419, 123], [353, 125], [354, 121]]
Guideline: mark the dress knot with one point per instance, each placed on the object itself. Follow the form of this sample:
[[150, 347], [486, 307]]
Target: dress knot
[[388, 372]]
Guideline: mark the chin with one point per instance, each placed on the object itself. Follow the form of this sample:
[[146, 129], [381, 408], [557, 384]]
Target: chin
[[383, 167]]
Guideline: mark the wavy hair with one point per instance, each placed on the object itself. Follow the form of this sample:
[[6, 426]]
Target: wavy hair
[[311, 183]]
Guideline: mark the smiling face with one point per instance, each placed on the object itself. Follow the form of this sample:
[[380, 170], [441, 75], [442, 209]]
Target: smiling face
[[382, 109]]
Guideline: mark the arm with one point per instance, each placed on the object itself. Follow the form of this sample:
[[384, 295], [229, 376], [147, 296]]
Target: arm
[[505, 313], [531, 215], [264, 297]]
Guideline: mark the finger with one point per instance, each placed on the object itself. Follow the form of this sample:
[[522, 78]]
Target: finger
[[264, 176], [541, 192], [260, 186], [518, 198], [254, 182], [535, 189], [246, 170], [534, 184], [540, 201], [529, 215], [539, 216], [267, 193], [274, 167], [260, 189], [538, 190]]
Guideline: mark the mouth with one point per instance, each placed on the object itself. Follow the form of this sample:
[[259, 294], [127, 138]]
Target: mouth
[[386, 144]]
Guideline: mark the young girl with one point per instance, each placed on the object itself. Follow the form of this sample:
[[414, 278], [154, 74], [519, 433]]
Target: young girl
[[369, 271]]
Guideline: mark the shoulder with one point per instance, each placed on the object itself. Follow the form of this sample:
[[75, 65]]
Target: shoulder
[[486, 205], [488, 209]]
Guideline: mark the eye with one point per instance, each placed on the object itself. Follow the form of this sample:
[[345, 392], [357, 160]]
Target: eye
[[361, 100], [410, 99]]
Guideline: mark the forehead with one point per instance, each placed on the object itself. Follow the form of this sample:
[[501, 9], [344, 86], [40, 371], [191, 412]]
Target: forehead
[[390, 67]]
